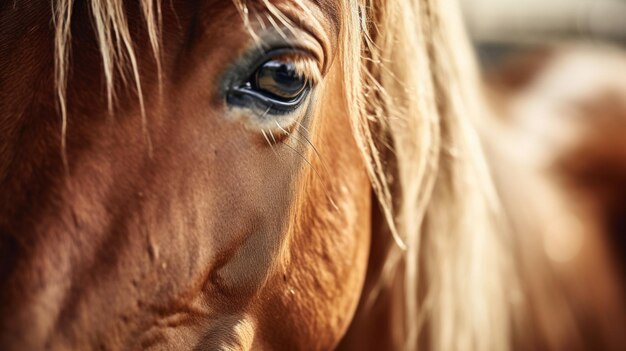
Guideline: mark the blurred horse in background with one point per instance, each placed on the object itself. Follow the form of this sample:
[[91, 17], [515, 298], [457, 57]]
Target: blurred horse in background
[[562, 120]]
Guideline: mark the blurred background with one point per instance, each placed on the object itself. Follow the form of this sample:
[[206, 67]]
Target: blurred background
[[555, 78], [498, 26]]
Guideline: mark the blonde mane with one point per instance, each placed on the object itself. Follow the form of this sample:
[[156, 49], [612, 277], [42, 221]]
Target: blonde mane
[[419, 88], [413, 87]]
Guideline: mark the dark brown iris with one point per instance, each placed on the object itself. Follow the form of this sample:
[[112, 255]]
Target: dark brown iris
[[280, 79]]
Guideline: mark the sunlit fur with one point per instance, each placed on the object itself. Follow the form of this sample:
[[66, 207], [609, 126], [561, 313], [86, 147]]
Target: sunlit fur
[[417, 87], [412, 81]]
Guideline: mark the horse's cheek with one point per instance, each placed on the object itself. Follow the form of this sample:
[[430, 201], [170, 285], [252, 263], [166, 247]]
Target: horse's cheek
[[317, 292]]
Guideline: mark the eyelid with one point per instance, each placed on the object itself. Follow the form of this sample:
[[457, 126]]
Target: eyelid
[[316, 32], [284, 105]]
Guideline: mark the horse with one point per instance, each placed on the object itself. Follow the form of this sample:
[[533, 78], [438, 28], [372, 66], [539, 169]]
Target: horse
[[249, 174], [562, 110]]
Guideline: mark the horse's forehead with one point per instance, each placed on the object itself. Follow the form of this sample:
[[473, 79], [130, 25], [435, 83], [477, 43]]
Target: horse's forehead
[[325, 12], [25, 40]]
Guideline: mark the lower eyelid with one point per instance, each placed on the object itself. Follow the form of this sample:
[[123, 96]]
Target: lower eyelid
[[257, 119], [242, 97]]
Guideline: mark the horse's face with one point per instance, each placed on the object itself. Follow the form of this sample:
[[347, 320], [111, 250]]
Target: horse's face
[[210, 224]]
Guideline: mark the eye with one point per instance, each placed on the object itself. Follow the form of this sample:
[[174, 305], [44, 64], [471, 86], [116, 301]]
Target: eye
[[279, 79], [273, 86]]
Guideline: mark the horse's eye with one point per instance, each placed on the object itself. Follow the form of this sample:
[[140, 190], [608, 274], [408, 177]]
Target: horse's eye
[[279, 80], [276, 85]]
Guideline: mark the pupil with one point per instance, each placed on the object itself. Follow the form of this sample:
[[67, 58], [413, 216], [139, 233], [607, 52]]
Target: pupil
[[285, 75], [279, 78]]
